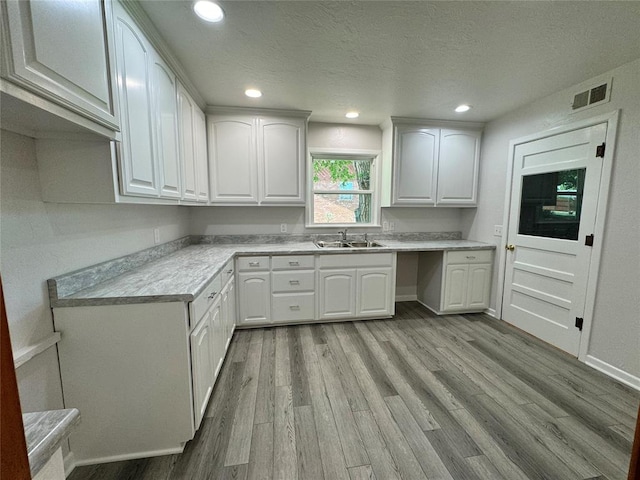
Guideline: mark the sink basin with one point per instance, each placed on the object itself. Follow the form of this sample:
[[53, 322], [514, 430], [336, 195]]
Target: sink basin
[[341, 244], [364, 244]]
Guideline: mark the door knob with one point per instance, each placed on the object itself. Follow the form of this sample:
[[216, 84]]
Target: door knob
[[510, 247]]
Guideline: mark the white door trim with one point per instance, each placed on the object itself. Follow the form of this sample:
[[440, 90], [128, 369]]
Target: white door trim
[[611, 119]]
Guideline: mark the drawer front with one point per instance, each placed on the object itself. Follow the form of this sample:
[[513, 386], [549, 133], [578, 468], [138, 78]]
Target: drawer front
[[351, 260], [293, 281], [248, 264], [289, 308], [292, 262], [227, 272], [202, 302], [469, 256]]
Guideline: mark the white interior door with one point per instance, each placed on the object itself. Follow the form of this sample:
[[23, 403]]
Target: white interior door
[[554, 195]]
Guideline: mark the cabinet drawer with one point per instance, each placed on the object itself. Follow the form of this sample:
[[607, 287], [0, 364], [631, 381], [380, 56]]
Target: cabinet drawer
[[227, 272], [469, 256], [291, 262], [247, 264], [287, 308], [356, 260], [202, 302], [293, 281]]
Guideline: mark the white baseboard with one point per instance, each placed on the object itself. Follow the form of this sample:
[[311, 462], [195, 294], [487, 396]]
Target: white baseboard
[[131, 456], [613, 372], [491, 312], [406, 298]]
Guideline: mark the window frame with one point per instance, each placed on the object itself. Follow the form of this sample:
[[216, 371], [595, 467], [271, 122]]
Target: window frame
[[374, 190]]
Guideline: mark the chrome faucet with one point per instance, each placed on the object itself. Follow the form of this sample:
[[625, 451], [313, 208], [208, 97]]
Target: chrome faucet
[[344, 234]]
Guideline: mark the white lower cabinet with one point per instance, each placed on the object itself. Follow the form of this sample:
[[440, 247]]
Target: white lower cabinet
[[455, 281], [337, 293], [254, 297], [203, 361], [373, 286]]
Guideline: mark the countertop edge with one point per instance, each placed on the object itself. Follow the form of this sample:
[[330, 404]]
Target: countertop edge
[[41, 448]]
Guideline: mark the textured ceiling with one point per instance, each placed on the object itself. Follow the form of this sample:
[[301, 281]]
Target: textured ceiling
[[417, 59]]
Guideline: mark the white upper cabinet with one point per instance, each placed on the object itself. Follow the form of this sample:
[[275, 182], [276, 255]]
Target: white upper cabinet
[[138, 167], [232, 159], [426, 165], [166, 124], [281, 155], [60, 50], [187, 140], [255, 159], [415, 171], [458, 167], [200, 147]]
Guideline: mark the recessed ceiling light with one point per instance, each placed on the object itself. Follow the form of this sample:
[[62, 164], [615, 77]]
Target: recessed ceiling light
[[463, 108], [208, 11], [253, 93], [352, 115]]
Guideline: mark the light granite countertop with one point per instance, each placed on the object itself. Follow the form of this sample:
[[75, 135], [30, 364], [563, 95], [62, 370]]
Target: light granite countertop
[[45, 432], [184, 273]]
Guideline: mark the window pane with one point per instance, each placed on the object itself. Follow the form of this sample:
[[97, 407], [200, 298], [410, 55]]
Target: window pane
[[341, 174], [341, 208], [551, 204]]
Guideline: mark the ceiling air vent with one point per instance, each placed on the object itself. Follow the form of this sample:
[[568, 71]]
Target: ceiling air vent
[[594, 95]]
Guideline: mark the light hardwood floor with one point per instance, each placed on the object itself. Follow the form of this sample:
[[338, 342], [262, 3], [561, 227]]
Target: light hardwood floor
[[416, 397]]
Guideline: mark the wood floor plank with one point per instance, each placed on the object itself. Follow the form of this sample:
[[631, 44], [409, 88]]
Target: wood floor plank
[[284, 435], [483, 468], [240, 345], [261, 457], [423, 450], [363, 472], [347, 378], [453, 460], [234, 472], [333, 461], [502, 463], [299, 380], [382, 463], [318, 334], [283, 367], [400, 450], [239, 446], [307, 449], [418, 409], [624, 431], [352, 447], [265, 398]]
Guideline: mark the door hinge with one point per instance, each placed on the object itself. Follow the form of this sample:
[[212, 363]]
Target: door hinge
[[588, 240], [579, 322], [600, 150]]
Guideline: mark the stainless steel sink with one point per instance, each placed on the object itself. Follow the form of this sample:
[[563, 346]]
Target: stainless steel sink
[[341, 244]]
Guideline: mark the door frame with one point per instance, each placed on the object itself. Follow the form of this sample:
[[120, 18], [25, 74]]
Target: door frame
[[611, 119]]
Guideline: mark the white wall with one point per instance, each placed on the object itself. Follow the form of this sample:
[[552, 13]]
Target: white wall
[[615, 337], [41, 240], [241, 220]]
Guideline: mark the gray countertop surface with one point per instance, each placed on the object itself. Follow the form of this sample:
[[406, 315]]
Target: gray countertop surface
[[183, 274], [45, 432]]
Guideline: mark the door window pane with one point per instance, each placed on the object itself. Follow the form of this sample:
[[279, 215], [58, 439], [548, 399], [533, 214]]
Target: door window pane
[[551, 203]]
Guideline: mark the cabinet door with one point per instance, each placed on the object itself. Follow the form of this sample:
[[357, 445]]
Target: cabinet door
[[254, 297], [337, 293], [59, 50], [138, 172], [187, 147], [458, 167], [166, 128], [415, 165], [479, 286], [232, 160], [202, 166], [231, 310], [455, 287], [217, 338], [203, 369], [281, 159], [374, 291]]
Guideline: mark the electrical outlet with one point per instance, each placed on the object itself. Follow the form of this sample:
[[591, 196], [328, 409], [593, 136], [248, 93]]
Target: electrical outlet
[[156, 236], [283, 228], [385, 226], [392, 226], [497, 230]]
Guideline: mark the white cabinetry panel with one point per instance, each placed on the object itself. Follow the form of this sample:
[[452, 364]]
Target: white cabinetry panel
[[202, 364], [374, 285], [254, 297], [415, 172], [455, 287], [187, 143], [60, 50], [202, 163], [458, 167], [337, 293]]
